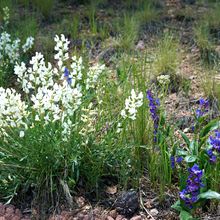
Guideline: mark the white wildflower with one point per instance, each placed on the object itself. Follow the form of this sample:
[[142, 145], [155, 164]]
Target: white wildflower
[[13, 111], [21, 134], [62, 47], [57, 104], [28, 44], [93, 75], [163, 79], [6, 15], [38, 75], [132, 103], [88, 117]]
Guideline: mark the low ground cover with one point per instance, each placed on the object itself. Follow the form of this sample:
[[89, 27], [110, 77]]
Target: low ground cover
[[112, 103]]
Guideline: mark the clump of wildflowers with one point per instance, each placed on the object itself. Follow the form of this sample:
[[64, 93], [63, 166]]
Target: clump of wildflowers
[[73, 75], [10, 50], [28, 44], [163, 79], [203, 107], [56, 93], [62, 47], [154, 104], [6, 15], [214, 151], [131, 104], [93, 75], [89, 118], [194, 182], [37, 75], [13, 111]]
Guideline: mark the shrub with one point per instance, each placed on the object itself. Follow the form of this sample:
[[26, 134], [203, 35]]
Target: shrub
[[67, 127]]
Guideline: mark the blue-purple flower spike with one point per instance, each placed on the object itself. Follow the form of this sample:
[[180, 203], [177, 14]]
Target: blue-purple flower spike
[[154, 104], [172, 162], [203, 107], [194, 182], [214, 151], [67, 76]]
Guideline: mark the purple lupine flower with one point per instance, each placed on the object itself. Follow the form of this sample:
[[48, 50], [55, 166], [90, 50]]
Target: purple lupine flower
[[215, 149], [172, 162], [203, 107], [154, 104], [179, 160], [67, 76], [194, 182]]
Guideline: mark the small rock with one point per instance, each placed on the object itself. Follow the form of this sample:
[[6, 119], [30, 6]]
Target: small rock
[[80, 216], [86, 217], [16, 218], [109, 218], [113, 213], [2, 210], [80, 201], [127, 203], [137, 217], [97, 211], [10, 210], [154, 212], [140, 45], [119, 217]]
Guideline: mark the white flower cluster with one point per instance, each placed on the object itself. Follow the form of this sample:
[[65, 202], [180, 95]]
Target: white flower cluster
[[28, 44], [55, 93], [163, 79], [10, 49], [62, 47], [93, 75], [13, 111], [57, 104], [131, 104], [89, 118], [74, 75], [6, 15], [37, 75]]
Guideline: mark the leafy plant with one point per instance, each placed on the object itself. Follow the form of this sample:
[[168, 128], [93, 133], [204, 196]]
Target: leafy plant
[[199, 158]]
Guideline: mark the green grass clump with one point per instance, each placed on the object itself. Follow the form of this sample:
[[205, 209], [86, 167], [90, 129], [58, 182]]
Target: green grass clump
[[128, 31], [27, 27], [167, 55], [147, 12], [45, 7], [206, 34]]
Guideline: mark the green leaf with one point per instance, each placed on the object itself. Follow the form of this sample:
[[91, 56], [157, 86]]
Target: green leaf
[[181, 152], [184, 215], [209, 127], [194, 147], [190, 159], [177, 206], [210, 195], [185, 138]]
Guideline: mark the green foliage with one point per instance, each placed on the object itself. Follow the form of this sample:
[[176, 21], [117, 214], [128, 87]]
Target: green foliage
[[205, 31], [167, 56], [27, 27], [45, 7], [147, 12], [195, 152], [128, 31]]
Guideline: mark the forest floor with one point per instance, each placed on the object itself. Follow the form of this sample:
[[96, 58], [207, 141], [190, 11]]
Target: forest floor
[[178, 104]]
